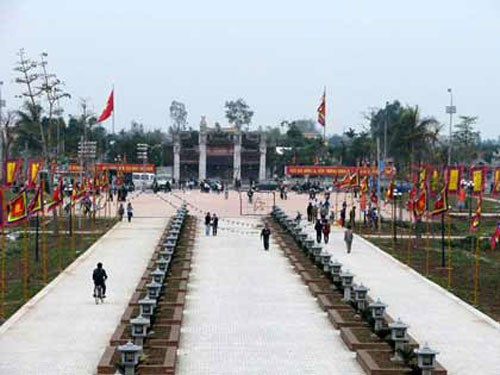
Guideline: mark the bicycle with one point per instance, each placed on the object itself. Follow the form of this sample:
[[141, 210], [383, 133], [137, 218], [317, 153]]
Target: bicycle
[[98, 294]]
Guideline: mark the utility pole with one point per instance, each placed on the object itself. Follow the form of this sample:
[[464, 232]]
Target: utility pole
[[451, 109], [385, 131], [379, 214]]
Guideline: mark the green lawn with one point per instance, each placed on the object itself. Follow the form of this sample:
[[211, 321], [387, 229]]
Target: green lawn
[[62, 250]]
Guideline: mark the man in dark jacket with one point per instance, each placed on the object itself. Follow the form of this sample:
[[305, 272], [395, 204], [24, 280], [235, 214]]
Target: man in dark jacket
[[99, 276], [215, 224], [265, 234], [318, 227]]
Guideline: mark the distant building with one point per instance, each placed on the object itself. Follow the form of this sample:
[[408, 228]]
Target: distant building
[[220, 153]]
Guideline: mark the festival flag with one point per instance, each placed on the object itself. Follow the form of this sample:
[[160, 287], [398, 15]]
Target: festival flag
[[17, 208], [495, 237], [33, 169], [478, 180], [374, 198], [434, 182], [389, 194], [11, 170], [104, 180], [476, 219], [364, 185], [420, 204], [57, 196], [36, 203], [441, 203], [496, 182], [344, 182], [422, 178], [108, 110], [453, 175], [322, 110], [1, 207], [354, 180]]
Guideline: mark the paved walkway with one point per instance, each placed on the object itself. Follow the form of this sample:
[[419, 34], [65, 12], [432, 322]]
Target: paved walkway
[[61, 330], [468, 340], [249, 313]]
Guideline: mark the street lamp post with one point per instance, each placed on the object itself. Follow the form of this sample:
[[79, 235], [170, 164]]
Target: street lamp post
[[451, 109]]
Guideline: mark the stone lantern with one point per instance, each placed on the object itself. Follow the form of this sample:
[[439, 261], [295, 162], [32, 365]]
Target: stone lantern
[[302, 237], [325, 261], [172, 238], [129, 357], [165, 254], [378, 309], [153, 289], [289, 224], [174, 232], [347, 278], [400, 338], [316, 251], [158, 275], [309, 242], [147, 307], [335, 270], [162, 264], [426, 359], [360, 292], [169, 246], [139, 329]]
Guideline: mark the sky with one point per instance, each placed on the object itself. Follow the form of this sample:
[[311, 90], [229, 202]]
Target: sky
[[277, 55]]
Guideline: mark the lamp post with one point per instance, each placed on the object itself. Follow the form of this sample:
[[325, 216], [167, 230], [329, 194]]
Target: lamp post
[[451, 109]]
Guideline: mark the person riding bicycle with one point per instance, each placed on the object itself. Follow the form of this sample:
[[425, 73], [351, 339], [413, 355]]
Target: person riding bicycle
[[99, 276]]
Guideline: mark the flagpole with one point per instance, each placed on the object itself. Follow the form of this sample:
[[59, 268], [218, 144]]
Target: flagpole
[[4, 257]]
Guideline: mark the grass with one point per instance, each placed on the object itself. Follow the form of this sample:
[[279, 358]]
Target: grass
[[24, 274], [425, 257]]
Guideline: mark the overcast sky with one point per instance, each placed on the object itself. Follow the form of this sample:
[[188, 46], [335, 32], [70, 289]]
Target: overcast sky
[[277, 55]]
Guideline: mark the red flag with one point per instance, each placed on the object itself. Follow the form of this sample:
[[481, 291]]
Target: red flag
[[441, 203], [322, 110], [17, 208], [389, 194], [420, 204], [476, 220], [36, 203], [354, 180], [57, 196], [108, 109], [495, 237]]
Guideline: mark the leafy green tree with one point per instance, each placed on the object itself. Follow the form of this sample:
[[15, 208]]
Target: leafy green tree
[[466, 140], [238, 113], [178, 114], [27, 130]]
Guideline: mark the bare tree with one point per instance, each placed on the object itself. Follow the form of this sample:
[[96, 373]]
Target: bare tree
[[238, 113], [178, 114]]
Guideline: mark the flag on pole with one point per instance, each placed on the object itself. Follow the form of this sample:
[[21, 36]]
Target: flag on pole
[[322, 110], [495, 237], [108, 110], [496, 182], [1, 207], [344, 182], [441, 203], [354, 180], [11, 170], [33, 169], [476, 219], [389, 194], [36, 203], [420, 204], [57, 196], [17, 208]]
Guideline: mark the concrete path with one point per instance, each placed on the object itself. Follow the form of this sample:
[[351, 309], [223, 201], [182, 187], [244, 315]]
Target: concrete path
[[61, 330], [468, 340], [249, 313]]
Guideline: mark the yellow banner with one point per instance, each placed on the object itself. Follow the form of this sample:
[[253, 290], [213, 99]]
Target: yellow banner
[[11, 167], [477, 180], [453, 179], [496, 181]]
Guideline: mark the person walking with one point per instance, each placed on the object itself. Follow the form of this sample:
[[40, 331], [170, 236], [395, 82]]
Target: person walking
[[309, 212], [265, 234], [215, 224], [130, 211], [208, 220], [121, 211], [342, 216], [352, 217], [326, 230], [348, 236], [318, 227]]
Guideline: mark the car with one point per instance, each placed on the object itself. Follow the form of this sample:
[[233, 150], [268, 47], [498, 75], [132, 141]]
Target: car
[[267, 186], [161, 181]]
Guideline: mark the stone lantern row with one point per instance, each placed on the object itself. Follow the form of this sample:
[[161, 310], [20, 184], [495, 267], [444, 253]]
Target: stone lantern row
[[130, 352], [358, 294]]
